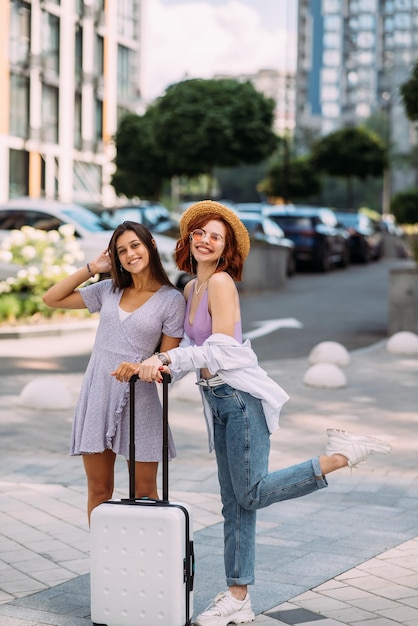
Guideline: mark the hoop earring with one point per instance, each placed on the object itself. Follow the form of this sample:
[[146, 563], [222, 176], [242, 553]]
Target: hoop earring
[[121, 268]]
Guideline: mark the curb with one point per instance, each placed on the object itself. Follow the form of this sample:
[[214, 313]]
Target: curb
[[48, 330]]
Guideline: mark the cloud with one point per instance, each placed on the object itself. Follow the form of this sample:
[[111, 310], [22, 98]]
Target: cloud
[[197, 39]]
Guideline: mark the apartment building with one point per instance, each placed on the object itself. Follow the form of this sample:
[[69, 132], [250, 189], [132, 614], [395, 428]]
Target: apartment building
[[70, 70], [352, 57]]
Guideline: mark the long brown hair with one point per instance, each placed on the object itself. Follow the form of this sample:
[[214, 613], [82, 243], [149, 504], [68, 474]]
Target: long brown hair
[[231, 260], [121, 278]]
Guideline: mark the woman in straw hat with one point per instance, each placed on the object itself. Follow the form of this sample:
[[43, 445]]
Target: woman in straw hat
[[241, 403]]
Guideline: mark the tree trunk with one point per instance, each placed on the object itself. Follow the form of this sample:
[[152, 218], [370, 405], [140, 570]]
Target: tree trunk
[[349, 195]]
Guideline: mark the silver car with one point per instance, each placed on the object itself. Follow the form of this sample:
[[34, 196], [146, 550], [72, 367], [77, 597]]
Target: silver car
[[92, 234]]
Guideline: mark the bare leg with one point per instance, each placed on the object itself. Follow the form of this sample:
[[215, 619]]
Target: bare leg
[[331, 463], [99, 470], [146, 479], [238, 591]]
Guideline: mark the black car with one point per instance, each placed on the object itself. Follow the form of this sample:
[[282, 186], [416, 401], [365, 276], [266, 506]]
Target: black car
[[366, 236], [320, 241]]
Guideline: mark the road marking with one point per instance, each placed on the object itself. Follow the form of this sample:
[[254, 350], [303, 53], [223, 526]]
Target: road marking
[[269, 326]]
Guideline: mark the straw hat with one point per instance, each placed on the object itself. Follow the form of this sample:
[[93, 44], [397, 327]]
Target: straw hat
[[210, 207]]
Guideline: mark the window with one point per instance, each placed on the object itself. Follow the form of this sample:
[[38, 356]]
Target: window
[[388, 24], [329, 75], [365, 40], [99, 121], [19, 105], [403, 39], [20, 16], [331, 58], [126, 73], [331, 6], [50, 42], [366, 58], [77, 121], [402, 21], [126, 18], [332, 23], [331, 40], [18, 173], [99, 54], [330, 93], [330, 109], [78, 65], [402, 5], [368, 5], [366, 21], [363, 110], [50, 114]]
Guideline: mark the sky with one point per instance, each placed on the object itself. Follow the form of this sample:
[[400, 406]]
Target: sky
[[200, 38]]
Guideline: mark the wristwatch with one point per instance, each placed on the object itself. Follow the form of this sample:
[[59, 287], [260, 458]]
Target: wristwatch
[[163, 358]]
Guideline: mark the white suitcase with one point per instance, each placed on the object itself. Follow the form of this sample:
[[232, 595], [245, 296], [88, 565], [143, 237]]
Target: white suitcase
[[141, 552]]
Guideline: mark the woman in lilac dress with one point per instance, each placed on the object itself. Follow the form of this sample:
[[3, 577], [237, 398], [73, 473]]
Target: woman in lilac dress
[[140, 311]]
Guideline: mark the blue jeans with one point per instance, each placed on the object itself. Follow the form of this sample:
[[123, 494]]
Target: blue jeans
[[242, 447]]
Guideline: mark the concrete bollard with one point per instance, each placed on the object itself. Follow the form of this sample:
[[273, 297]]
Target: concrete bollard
[[265, 268], [403, 298]]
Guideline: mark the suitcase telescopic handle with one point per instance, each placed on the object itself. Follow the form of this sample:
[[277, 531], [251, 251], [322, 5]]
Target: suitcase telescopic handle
[[132, 381]]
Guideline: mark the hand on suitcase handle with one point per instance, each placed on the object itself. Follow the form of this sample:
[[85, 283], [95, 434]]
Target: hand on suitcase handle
[[166, 377], [148, 372]]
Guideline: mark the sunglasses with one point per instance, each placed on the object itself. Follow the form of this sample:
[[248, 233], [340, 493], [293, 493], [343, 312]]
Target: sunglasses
[[199, 234]]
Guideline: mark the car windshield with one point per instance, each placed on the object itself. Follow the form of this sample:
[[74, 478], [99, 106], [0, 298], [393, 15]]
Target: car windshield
[[292, 221], [156, 215], [89, 220], [354, 220], [348, 219]]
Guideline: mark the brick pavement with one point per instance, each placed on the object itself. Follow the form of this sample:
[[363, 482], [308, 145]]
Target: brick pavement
[[347, 555]]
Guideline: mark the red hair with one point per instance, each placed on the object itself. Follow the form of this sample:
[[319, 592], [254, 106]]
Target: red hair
[[231, 260]]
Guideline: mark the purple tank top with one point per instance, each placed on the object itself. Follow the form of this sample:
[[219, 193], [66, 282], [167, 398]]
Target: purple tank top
[[201, 328]]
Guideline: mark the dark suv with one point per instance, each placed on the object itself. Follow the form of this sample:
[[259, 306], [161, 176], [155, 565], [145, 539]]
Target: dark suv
[[320, 241]]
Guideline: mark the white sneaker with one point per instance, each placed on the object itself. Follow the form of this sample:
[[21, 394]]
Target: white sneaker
[[355, 447], [226, 609]]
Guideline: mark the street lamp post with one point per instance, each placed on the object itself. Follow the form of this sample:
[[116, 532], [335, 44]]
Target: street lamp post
[[387, 175]]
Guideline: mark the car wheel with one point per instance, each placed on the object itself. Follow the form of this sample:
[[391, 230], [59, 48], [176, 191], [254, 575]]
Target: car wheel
[[291, 266], [345, 257], [365, 253], [324, 263]]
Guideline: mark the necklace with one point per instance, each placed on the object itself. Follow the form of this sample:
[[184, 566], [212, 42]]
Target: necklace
[[198, 289]]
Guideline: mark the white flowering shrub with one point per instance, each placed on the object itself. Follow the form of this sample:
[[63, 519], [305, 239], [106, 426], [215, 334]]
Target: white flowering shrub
[[45, 257]]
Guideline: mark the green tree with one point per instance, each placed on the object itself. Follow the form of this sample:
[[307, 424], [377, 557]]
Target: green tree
[[409, 93], [140, 167], [195, 126], [404, 206], [353, 152], [293, 181], [202, 124]]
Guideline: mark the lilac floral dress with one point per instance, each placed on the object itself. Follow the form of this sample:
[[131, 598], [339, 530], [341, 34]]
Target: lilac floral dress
[[101, 419]]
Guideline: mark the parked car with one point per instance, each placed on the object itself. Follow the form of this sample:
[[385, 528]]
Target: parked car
[[252, 207], [366, 237], [93, 234], [263, 228], [153, 215], [319, 240]]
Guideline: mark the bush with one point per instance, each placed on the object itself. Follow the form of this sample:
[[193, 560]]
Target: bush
[[404, 206], [45, 258]]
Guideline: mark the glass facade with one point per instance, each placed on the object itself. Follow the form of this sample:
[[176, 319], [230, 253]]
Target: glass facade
[[68, 80], [19, 105]]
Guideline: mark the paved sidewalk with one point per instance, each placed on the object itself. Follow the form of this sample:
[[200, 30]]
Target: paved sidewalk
[[346, 555]]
